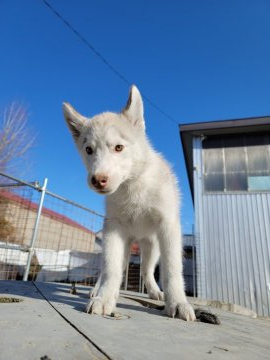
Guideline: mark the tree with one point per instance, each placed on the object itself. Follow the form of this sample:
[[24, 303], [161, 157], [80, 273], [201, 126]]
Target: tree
[[15, 137]]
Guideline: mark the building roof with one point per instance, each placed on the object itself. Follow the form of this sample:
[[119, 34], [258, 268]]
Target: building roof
[[215, 128], [28, 204]]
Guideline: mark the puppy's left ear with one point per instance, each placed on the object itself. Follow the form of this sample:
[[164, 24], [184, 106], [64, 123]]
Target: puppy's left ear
[[134, 108]]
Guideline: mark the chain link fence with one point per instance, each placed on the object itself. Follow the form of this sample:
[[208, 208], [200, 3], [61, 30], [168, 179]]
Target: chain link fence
[[45, 237]]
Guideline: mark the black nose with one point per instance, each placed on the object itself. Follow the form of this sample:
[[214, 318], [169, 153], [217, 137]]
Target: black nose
[[99, 181]]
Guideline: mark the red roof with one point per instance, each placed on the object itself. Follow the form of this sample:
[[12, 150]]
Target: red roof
[[135, 249], [26, 203]]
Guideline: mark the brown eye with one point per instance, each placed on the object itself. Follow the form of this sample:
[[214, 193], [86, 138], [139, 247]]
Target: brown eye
[[89, 150], [119, 148]]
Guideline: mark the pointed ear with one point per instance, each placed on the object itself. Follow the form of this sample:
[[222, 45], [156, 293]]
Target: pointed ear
[[74, 120], [134, 108]]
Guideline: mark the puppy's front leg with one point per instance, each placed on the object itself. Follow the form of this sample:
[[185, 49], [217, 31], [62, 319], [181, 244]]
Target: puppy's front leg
[[104, 301], [93, 292], [173, 282]]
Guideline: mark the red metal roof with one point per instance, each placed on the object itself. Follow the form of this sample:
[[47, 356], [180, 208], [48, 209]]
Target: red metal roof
[[135, 249], [28, 204]]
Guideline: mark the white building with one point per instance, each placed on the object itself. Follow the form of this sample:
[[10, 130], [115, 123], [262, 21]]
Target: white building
[[228, 164]]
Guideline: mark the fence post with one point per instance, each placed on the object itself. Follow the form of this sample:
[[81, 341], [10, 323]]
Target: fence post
[[35, 231], [194, 263], [126, 275], [141, 281]]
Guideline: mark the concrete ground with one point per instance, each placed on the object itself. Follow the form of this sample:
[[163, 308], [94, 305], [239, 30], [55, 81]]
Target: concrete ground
[[50, 323]]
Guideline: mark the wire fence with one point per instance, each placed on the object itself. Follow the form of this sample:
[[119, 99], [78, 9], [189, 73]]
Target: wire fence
[[45, 237]]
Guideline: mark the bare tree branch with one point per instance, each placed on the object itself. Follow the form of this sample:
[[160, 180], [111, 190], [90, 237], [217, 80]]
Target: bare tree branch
[[15, 137]]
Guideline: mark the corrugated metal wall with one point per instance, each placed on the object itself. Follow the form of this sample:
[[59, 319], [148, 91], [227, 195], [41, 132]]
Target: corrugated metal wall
[[233, 244]]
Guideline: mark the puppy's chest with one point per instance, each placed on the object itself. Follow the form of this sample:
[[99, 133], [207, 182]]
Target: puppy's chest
[[136, 205], [138, 221], [137, 212]]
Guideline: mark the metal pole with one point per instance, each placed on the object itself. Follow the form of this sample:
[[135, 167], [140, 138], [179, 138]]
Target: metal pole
[[126, 275], [21, 182], [141, 283], [193, 262], [142, 291], [35, 231]]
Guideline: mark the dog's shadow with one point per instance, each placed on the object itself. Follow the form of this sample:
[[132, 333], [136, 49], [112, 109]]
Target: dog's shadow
[[123, 305], [141, 308]]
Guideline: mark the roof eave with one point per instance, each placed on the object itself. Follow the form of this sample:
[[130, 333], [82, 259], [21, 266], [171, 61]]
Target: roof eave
[[237, 126]]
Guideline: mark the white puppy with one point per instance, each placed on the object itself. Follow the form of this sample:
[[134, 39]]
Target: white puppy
[[141, 204]]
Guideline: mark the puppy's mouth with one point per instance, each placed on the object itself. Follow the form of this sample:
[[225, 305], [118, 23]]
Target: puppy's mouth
[[104, 191]]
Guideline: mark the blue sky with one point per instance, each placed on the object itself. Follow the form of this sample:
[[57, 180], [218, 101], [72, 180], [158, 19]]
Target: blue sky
[[197, 60]]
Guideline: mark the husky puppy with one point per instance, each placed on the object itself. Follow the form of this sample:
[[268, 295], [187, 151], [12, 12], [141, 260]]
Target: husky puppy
[[141, 204]]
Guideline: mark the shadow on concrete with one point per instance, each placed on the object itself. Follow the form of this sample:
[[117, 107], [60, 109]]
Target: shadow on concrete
[[60, 293]]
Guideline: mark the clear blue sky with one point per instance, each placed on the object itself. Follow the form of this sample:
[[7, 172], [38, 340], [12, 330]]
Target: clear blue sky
[[197, 60]]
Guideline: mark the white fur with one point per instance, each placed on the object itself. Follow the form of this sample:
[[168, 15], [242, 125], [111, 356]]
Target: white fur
[[141, 204]]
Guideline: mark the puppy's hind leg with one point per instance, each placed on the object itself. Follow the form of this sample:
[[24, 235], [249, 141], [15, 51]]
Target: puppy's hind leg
[[150, 256]]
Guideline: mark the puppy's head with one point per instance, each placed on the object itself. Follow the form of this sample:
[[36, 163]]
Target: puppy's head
[[109, 143]]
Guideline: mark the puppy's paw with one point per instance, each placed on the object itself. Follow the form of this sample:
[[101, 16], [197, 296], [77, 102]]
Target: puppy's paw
[[93, 293], [181, 310], [97, 305], [156, 295]]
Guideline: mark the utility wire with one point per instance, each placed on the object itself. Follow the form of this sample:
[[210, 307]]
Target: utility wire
[[103, 59]]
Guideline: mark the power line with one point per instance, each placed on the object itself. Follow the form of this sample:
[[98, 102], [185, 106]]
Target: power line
[[103, 59]]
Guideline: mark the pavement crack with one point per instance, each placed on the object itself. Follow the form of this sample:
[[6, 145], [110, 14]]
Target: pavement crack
[[71, 324]]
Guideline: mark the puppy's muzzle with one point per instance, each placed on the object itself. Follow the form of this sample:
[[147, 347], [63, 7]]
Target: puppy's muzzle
[[99, 181]]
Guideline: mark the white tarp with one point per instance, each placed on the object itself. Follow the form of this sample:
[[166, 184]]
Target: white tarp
[[12, 255], [67, 265], [63, 265]]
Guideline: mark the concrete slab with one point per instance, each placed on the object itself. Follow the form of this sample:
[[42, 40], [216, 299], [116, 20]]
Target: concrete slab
[[50, 317], [32, 329]]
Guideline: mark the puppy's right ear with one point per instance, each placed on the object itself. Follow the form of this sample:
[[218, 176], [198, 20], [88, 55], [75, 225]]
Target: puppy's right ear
[[74, 120]]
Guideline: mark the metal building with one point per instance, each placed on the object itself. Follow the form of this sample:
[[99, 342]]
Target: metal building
[[228, 164]]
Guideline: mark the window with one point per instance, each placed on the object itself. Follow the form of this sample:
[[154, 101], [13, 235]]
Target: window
[[237, 163]]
